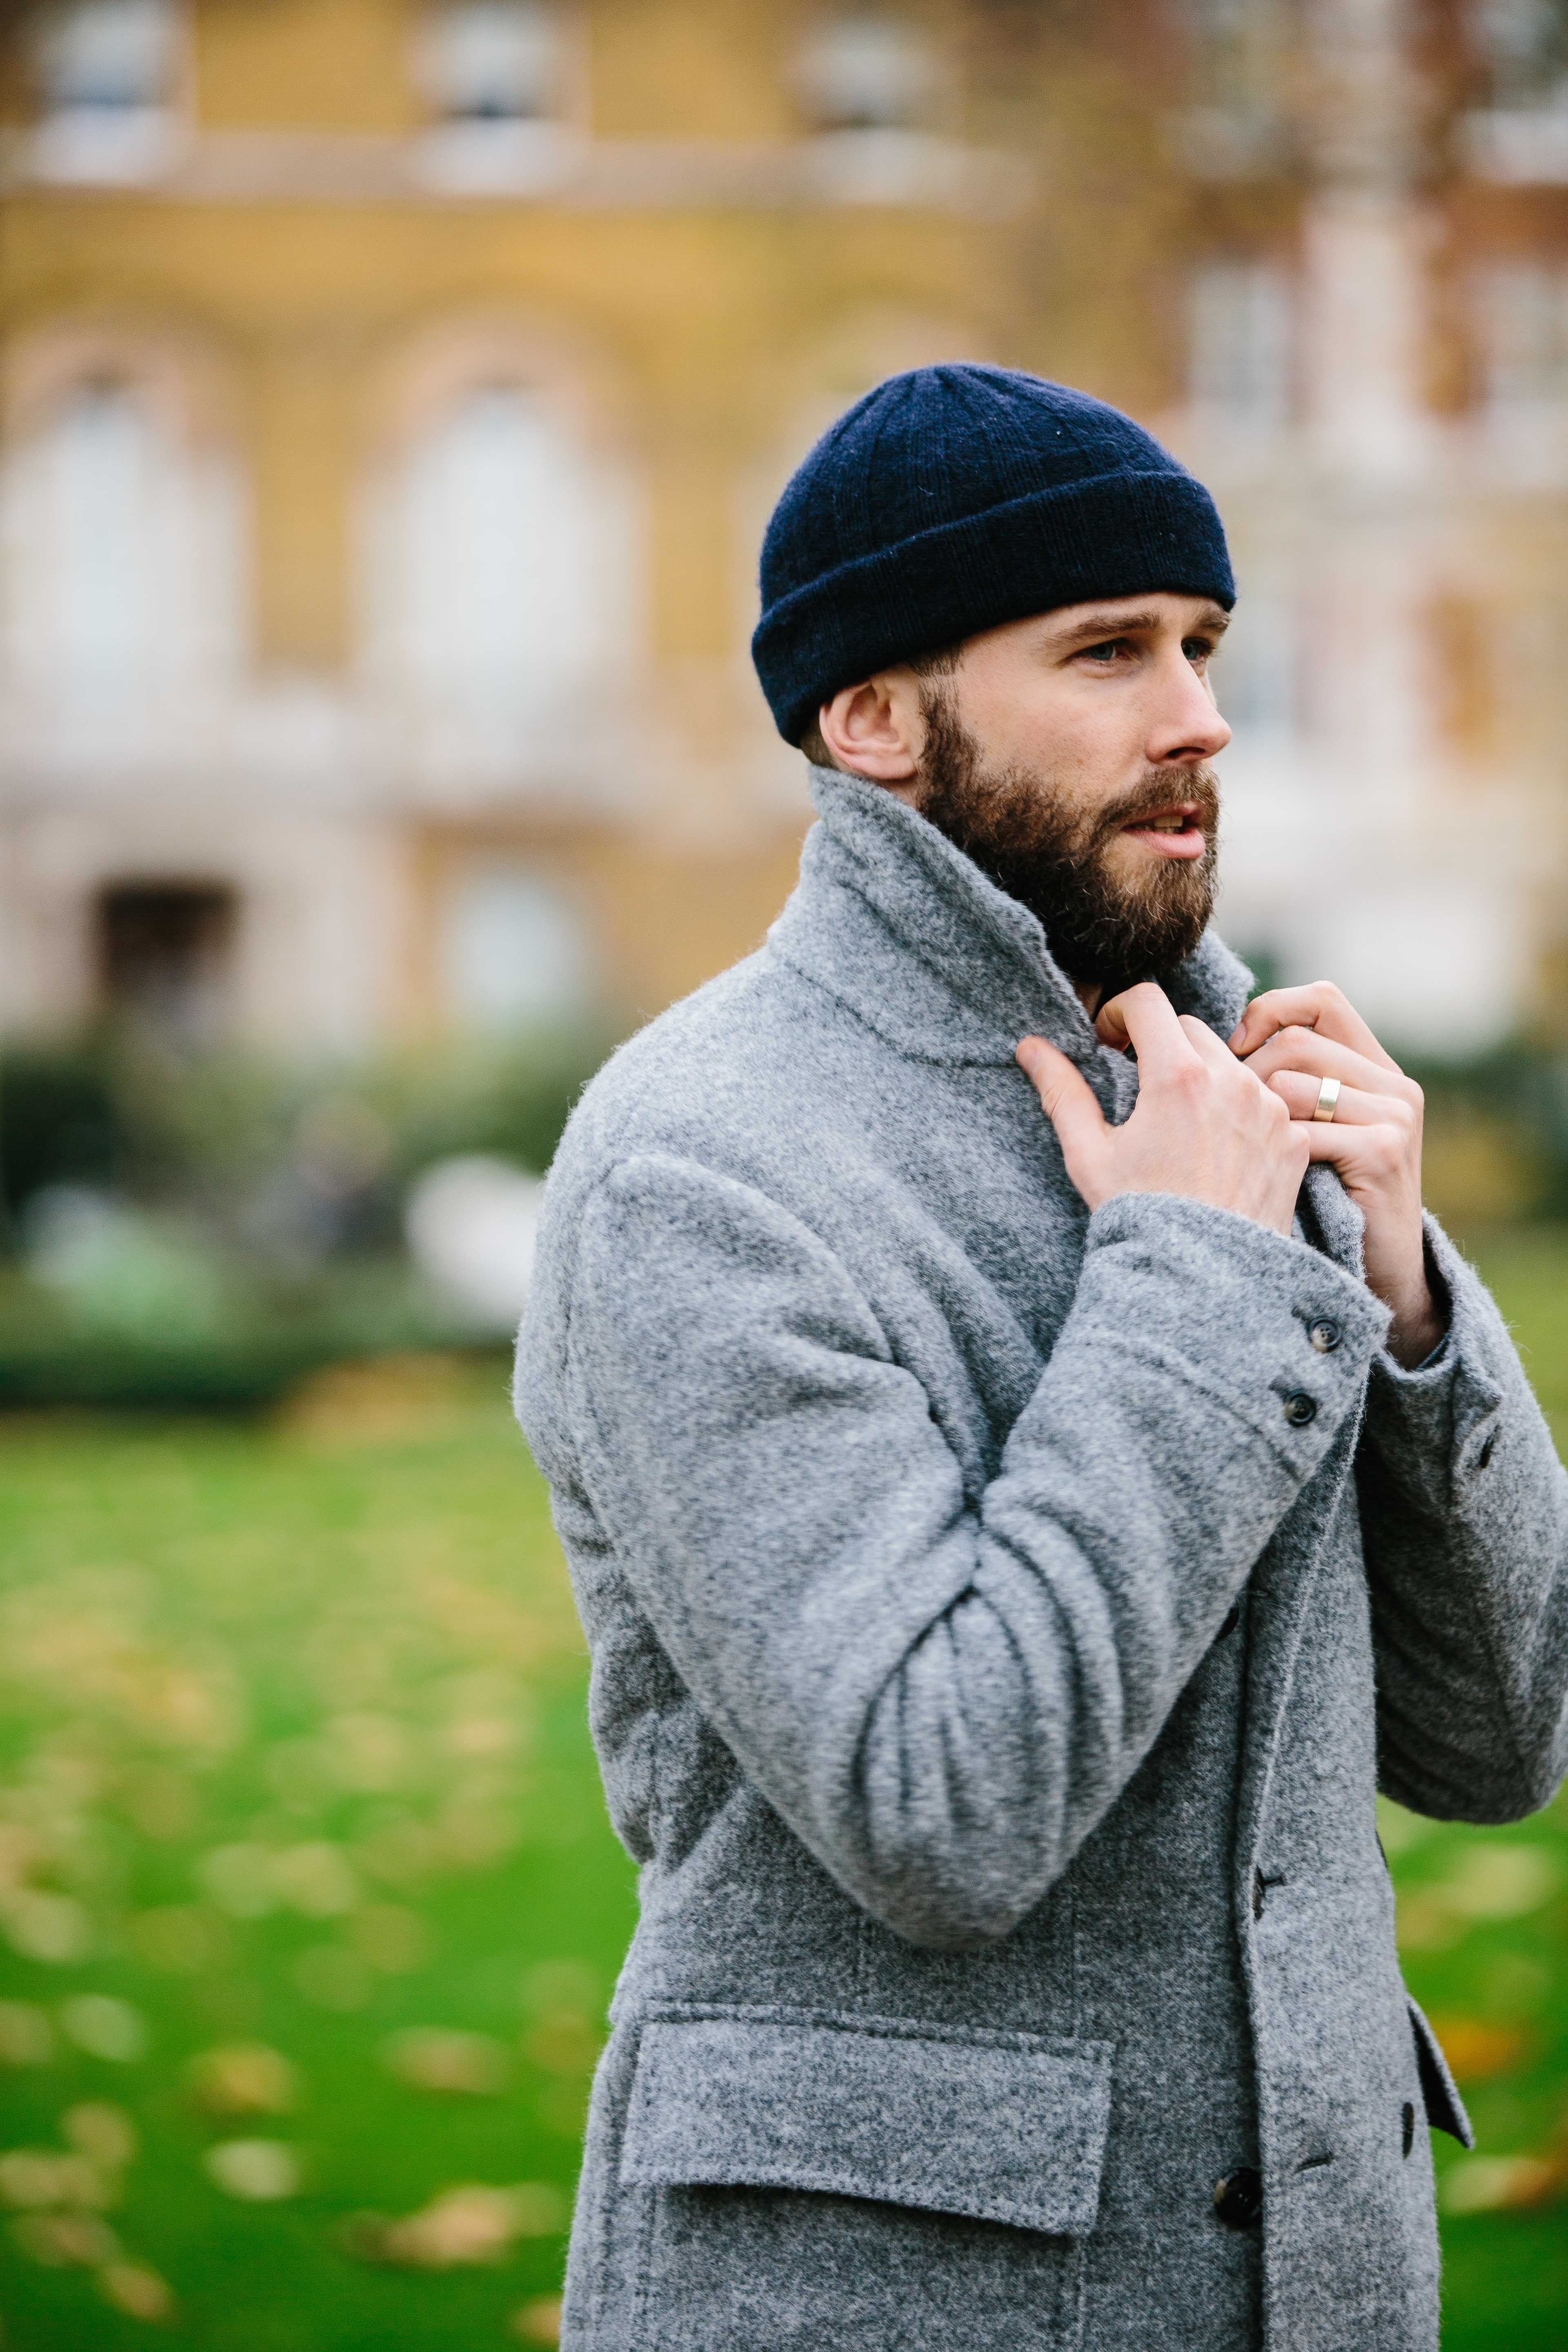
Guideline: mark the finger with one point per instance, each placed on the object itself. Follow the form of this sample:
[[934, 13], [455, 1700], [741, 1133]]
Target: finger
[[1352, 1108], [1371, 1151], [1145, 1018], [1321, 1057], [1205, 1044], [1317, 1005], [1067, 1100]]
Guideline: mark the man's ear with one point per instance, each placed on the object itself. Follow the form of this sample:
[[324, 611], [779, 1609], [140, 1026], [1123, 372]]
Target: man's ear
[[876, 730]]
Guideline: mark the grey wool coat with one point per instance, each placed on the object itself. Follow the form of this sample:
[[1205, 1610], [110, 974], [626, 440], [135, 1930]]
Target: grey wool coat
[[1001, 1619]]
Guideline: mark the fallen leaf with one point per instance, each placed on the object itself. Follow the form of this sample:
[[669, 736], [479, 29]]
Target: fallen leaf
[[137, 2291], [105, 2027], [1477, 2049], [62, 2240], [1502, 1882], [26, 2037], [538, 2322], [1496, 2184], [261, 2171], [105, 2135], [32, 2178], [244, 2078], [432, 2058]]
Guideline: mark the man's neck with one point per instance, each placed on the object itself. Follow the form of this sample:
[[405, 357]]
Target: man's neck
[[1089, 993]]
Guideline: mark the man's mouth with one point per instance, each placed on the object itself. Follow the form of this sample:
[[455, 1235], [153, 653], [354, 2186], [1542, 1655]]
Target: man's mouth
[[1176, 831]]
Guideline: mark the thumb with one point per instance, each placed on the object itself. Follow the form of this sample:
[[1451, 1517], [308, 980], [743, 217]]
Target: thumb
[[1067, 1100]]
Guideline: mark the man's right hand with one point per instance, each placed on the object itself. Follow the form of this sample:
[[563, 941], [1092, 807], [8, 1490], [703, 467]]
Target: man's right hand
[[1203, 1126]]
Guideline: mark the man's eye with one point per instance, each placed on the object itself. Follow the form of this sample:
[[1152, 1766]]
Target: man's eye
[[1198, 650], [1105, 653]]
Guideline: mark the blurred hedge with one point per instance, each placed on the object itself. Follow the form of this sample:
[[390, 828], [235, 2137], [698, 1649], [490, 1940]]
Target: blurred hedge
[[252, 1210]]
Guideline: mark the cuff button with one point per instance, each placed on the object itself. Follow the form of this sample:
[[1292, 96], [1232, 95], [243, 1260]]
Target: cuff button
[[1300, 1409], [1325, 1335]]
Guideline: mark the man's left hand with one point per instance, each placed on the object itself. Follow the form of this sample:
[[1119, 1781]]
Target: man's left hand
[[1293, 1038]]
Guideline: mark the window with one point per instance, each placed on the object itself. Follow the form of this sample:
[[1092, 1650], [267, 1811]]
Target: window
[[98, 575], [107, 71], [492, 61], [497, 592], [1239, 348], [503, 583], [1522, 320], [1523, 46], [867, 74], [1236, 55], [165, 952], [494, 76], [1254, 674], [121, 564], [513, 953]]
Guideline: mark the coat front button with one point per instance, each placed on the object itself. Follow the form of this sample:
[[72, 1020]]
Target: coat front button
[[1324, 1335], [1300, 1409], [1238, 2197]]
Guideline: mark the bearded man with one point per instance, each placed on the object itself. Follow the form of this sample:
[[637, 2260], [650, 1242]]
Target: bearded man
[[1015, 1550]]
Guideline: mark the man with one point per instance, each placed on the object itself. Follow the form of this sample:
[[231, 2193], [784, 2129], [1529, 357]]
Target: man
[[1014, 1549]]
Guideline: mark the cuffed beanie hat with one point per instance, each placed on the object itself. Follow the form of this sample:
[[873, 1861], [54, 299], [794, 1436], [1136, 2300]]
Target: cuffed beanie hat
[[952, 499]]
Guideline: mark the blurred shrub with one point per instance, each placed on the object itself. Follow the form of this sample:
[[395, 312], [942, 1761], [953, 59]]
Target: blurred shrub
[[184, 1231], [59, 1124]]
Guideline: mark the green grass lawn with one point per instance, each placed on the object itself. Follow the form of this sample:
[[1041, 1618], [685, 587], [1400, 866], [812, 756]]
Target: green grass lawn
[[310, 1912]]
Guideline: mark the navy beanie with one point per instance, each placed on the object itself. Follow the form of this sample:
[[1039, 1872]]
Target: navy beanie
[[952, 499]]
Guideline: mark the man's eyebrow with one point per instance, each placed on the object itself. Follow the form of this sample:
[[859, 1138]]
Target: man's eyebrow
[[1100, 626]]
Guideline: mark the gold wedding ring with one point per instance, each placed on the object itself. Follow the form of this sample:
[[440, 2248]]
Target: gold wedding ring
[[1327, 1098]]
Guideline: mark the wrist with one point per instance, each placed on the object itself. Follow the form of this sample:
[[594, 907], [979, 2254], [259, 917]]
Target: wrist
[[1419, 1321]]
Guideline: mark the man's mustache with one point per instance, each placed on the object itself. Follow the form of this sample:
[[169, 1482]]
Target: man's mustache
[[1199, 788]]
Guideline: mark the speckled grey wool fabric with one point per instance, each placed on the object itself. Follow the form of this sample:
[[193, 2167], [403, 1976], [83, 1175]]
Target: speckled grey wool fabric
[[1001, 1618]]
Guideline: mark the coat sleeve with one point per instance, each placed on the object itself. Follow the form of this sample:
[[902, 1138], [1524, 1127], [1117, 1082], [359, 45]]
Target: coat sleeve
[[941, 1689], [1465, 1519]]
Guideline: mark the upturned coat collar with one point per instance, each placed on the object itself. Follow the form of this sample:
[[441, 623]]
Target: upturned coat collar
[[910, 934], [905, 930]]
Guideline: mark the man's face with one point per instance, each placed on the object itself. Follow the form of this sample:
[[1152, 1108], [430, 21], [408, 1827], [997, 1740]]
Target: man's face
[[1067, 755]]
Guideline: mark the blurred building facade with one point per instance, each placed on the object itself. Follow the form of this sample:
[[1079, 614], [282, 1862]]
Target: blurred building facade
[[392, 396]]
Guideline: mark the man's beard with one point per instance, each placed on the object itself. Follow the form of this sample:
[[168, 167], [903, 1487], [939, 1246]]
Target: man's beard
[[1019, 829]]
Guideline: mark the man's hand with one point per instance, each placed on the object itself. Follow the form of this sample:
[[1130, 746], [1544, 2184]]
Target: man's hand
[[1203, 1126], [1291, 1039]]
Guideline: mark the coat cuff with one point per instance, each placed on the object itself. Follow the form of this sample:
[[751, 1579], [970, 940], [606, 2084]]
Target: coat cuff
[[1263, 1323], [1433, 1424]]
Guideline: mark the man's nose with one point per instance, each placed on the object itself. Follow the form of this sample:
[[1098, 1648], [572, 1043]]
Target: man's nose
[[1186, 726]]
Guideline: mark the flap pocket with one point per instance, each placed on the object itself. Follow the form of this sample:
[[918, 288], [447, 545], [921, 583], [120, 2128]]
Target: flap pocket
[[1001, 2126], [1439, 2093]]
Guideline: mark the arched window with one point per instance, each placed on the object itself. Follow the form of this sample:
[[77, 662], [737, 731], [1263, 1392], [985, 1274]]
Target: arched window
[[105, 574], [119, 559], [501, 576]]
